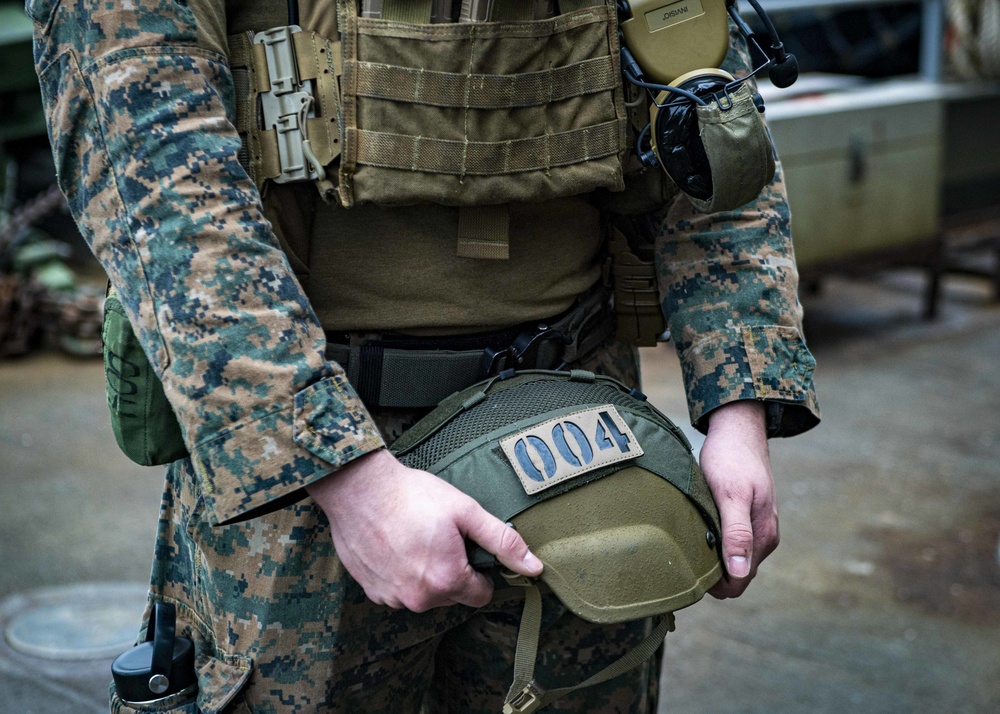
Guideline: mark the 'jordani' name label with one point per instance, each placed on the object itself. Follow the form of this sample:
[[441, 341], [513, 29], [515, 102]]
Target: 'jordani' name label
[[673, 13], [569, 446]]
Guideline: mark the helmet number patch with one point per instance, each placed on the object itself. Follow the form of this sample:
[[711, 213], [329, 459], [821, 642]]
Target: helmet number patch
[[568, 446]]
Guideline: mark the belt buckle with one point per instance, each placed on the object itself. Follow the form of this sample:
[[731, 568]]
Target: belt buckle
[[524, 351], [493, 361]]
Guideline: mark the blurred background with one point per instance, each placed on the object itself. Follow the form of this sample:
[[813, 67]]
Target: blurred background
[[885, 593]]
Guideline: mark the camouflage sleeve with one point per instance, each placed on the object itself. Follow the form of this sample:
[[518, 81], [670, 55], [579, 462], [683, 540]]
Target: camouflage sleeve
[[729, 286], [140, 121]]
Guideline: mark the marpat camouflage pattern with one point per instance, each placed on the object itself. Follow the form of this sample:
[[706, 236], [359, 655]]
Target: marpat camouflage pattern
[[140, 111], [147, 156]]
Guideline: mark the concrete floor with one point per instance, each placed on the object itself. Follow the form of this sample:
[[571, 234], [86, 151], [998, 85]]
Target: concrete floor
[[883, 597]]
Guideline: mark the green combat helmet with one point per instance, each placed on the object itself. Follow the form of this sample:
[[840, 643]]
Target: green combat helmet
[[603, 488]]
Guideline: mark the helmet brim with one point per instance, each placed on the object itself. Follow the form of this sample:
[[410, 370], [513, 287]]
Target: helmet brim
[[627, 546]]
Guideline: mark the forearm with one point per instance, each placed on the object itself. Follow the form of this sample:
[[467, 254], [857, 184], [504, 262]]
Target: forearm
[[744, 421], [728, 286]]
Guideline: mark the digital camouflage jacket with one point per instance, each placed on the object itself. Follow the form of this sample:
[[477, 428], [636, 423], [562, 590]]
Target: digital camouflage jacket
[[140, 112], [140, 104]]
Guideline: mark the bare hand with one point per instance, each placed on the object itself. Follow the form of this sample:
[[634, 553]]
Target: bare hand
[[738, 469], [402, 534]]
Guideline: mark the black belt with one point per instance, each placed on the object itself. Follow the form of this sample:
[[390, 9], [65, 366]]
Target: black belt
[[403, 371]]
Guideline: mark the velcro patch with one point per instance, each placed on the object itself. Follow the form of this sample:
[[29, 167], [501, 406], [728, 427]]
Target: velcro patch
[[569, 446]]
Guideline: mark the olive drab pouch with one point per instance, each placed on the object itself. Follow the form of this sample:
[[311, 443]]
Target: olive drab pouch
[[738, 149], [480, 113], [141, 417]]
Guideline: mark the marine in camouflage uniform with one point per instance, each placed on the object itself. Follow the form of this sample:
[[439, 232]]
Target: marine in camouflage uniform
[[140, 103]]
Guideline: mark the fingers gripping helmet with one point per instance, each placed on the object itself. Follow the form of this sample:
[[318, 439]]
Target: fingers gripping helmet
[[602, 487]]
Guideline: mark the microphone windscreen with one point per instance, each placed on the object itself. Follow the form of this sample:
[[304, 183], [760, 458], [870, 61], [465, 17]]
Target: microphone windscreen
[[784, 73]]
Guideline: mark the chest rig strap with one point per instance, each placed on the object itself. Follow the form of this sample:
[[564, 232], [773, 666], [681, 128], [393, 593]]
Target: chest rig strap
[[286, 104]]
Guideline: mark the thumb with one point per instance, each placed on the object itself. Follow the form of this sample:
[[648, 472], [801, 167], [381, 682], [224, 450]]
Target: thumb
[[502, 541], [737, 538]]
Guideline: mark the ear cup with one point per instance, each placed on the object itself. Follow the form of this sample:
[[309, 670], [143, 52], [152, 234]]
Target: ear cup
[[675, 136]]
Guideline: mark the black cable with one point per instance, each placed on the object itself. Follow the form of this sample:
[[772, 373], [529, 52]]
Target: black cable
[[632, 72], [639, 151], [784, 67], [667, 88], [767, 23], [293, 12]]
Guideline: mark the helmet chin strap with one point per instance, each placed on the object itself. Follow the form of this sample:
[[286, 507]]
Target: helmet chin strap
[[525, 694]]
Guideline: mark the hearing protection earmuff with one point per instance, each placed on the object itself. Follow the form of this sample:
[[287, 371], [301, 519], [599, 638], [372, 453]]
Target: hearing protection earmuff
[[675, 143], [701, 131]]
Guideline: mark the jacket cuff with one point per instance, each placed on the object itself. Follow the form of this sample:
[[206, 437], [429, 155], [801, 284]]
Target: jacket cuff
[[262, 465], [769, 363]]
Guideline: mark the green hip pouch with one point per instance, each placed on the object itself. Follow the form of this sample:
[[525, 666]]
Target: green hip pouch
[[141, 417]]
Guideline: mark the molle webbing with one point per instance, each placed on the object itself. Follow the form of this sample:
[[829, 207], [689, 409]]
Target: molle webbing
[[485, 91], [421, 154], [637, 301], [477, 113], [317, 61]]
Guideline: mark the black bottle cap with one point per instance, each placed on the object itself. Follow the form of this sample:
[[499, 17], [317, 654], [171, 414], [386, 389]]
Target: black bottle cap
[[159, 667], [132, 671]]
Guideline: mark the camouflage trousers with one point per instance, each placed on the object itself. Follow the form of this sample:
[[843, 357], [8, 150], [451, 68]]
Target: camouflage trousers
[[279, 626]]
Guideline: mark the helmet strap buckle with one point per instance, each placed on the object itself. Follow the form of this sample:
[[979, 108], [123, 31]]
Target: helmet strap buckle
[[526, 701]]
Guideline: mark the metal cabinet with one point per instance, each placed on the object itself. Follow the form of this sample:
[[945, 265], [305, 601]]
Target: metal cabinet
[[863, 169], [865, 166]]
